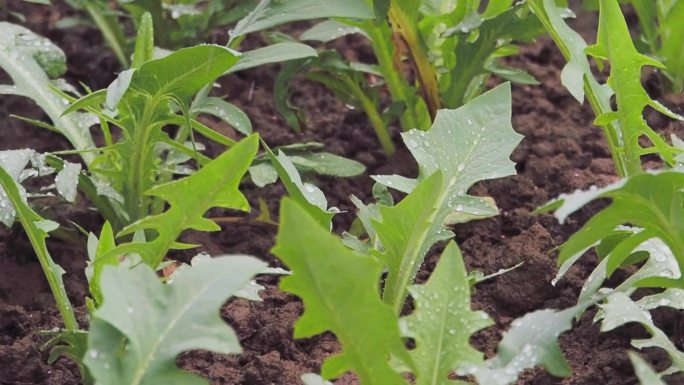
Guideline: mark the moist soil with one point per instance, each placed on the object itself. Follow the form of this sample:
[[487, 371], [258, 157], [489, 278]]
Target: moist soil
[[561, 152]]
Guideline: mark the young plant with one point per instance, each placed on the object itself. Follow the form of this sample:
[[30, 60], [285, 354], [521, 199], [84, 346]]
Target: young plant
[[625, 126], [643, 224], [450, 50], [643, 228], [339, 279], [662, 35], [139, 325]]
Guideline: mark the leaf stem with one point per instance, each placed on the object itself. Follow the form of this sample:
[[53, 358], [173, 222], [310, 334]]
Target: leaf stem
[[398, 86], [135, 184], [427, 76], [371, 111], [37, 236]]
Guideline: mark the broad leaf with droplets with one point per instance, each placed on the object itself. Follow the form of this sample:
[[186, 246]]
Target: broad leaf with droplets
[[638, 201], [464, 146], [620, 310], [144, 324], [469, 144], [32, 61], [531, 341], [443, 322], [339, 289]]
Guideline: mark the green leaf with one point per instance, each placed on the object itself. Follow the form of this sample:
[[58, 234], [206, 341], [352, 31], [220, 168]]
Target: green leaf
[[144, 324], [310, 197], [276, 53], [225, 111], [215, 185], [340, 293], [577, 76], [614, 44], [671, 31], [66, 181], [270, 13], [144, 42], [531, 341], [466, 145], [620, 310], [443, 322], [325, 163], [650, 201], [329, 30], [474, 57], [184, 72], [37, 229], [644, 372], [30, 61]]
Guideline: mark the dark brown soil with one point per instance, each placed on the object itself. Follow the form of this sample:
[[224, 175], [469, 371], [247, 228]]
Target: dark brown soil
[[561, 152]]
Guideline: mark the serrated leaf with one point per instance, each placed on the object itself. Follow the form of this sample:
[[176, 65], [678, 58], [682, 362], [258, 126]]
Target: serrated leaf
[[620, 310], [340, 293], [144, 324], [464, 146], [215, 185], [531, 341], [37, 229], [31, 60], [469, 144], [641, 199], [443, 322], [614, 44]]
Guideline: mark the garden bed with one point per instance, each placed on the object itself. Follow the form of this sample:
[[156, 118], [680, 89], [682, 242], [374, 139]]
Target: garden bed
[[561, 152]]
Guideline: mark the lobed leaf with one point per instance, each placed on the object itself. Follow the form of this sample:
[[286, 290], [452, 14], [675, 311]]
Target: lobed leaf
[[215, 185], [144, 324], [340, 293], [531, 341], [615, 44], [650, 201], [465, 146], [620, 310]]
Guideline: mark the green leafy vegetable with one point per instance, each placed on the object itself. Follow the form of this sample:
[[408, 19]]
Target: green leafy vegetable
[[32, 62], [443, 322], [269, 13], [352, 309], [144, 324], [531, 341], [623, 127], [143, 98], [464, 146], [218, 187], [37, 230]]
